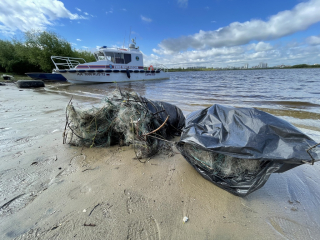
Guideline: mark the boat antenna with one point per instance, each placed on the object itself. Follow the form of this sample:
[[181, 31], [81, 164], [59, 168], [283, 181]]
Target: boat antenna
[[129, 36], [124, 39]]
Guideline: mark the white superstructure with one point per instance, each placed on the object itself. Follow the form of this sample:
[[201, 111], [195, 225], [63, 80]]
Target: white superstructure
[[112, 65]]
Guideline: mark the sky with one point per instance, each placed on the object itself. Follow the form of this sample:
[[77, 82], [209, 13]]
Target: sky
[[178, 33]]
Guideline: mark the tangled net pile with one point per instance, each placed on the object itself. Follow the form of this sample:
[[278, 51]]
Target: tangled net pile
[[222, 165], [122, 118]]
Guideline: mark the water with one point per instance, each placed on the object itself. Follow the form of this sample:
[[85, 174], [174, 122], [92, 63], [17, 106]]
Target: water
[[292, 94]]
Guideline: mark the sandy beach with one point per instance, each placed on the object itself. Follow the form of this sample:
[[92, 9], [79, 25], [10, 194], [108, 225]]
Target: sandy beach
[[49, 190]]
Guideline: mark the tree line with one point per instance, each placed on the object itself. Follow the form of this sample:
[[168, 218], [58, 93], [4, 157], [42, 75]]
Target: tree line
[[304, 66], [33, 53]]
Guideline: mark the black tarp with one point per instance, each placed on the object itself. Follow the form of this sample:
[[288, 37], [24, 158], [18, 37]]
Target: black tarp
[[161, 110], [245, 133]]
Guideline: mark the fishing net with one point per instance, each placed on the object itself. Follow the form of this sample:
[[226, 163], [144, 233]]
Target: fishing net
[[220, 165], [124, 118]]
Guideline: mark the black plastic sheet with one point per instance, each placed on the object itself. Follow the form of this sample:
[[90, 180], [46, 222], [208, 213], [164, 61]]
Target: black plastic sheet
[[245, 133], [176, 119]]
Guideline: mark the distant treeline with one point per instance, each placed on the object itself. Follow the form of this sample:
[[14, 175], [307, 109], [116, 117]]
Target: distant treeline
[[212, 69], [33, 53], [304, 66]]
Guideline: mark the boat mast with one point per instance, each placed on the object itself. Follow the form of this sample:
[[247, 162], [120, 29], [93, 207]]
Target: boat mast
[[129, 37], [124, 39]]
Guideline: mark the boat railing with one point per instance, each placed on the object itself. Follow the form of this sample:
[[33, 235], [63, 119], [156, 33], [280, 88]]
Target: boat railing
[[158, 67], [66, 62]]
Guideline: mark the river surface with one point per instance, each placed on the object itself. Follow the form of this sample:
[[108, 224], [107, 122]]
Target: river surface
[[292, 94]]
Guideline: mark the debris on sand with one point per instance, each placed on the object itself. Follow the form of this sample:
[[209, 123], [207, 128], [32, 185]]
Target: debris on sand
[[29, 83], [7, 77], [124, 118], [238, 148]]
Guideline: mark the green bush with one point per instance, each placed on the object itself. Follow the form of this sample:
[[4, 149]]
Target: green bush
[[40, 46], [35, 51]]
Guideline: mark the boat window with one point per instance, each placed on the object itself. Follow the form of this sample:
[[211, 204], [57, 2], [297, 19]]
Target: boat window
[[101, 56], [109, 56], [123, 58], [127, 58], [119, 57]]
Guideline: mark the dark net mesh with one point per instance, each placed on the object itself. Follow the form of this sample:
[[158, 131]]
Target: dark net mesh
[[223, 166], [121, 118]]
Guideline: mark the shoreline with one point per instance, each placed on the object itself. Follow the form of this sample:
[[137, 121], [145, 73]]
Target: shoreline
[[214, 69], [173, 70], [62, 192]]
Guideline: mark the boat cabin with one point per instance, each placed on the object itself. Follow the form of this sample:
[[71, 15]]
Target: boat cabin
[[131, 56], [115, 57]]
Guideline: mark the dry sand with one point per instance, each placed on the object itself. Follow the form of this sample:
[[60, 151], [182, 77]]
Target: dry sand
[[53, 191]]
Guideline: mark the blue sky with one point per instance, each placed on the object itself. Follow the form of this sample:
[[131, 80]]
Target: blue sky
[[179, 33]]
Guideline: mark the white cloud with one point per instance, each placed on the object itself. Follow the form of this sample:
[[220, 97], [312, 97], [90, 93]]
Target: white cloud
[[79, 40], [145, 19], [213, 21], [78, 9], [291, 53], [313, 40], [111, 11], [282, 24], [6, 31], [32, 14], [260, 46], [86, 13], [205, 53], [183, 3], [123, 9]]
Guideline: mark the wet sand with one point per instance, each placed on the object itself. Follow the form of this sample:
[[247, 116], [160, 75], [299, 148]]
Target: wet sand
[[53, 191]]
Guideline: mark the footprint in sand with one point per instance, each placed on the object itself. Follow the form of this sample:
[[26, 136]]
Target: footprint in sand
[[147, 228], [290, 229], [136, 202], [144, 229]]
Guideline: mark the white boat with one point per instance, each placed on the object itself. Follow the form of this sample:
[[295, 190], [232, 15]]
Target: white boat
[[112, 65]]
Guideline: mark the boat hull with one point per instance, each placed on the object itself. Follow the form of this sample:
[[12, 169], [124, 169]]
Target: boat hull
[[109, 77], [46, 76]]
